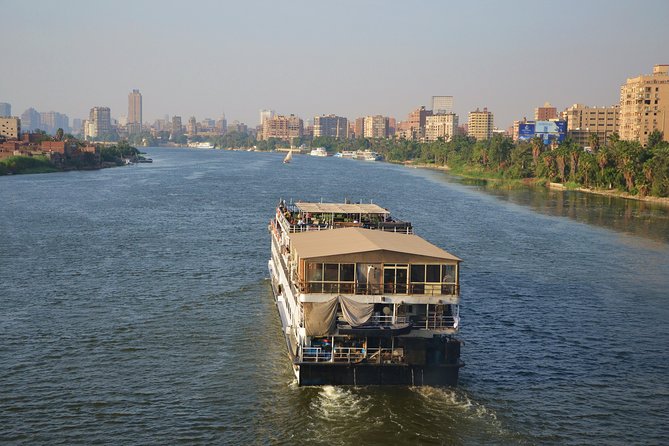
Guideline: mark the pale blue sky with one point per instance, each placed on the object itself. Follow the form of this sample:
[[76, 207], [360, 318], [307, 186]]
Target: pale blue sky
[[350, 58]]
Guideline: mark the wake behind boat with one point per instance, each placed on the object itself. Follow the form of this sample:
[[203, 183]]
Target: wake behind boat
[[362, 300]]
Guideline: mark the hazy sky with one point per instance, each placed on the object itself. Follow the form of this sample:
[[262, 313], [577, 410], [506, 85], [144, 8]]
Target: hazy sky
[[350, 58]]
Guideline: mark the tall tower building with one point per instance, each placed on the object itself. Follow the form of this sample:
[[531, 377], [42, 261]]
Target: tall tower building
[[177, 128], [134, 112], [5, 109], [191, 127], [644, 105], [480, 124], [442, 105]]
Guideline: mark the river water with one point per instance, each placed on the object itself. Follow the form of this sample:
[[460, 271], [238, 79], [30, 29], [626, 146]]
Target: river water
[[135, 309]]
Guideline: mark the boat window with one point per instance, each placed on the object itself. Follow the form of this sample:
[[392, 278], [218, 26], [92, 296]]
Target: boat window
[[433, 273], [314, 272], [448, 273], [418, 273], [347, 272], [331, 272]]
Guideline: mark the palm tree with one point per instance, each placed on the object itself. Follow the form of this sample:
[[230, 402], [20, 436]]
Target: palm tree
[[537, 147], [587, 165], [593, 140]]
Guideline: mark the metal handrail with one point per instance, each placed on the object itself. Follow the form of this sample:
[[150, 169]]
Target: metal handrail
[[429, 289]]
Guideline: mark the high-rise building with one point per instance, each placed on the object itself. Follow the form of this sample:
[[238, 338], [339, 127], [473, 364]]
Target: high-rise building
[[52, 121], [414, 127], [359, 127], [177, 128], [99, 123], [10, 127], [134, 124], [222, 124], [282, 127], [76, 125], [31, 120], [330, 125], [480, 124], [5, 109], [266, 114], [545, 113], [583, 121], [442, 104], [191, 126], [441, 126], [376, 126], [644, 105]]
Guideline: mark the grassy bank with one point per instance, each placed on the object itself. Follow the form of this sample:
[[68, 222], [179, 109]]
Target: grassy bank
[[15, 165], [496, 180]]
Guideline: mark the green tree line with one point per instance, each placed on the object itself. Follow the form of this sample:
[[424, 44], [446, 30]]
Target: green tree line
[[624, 165]]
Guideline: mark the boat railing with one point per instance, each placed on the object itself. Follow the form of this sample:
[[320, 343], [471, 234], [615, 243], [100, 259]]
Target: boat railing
[[364, 288], [435, 322], [348, 354], [386, 320], [386, 355], [353, 355], [315, 354]]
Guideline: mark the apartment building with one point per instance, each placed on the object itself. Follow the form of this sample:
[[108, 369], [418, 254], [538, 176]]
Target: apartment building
[[644, 105], [441, 126], [583, 121], [480, 124], [330, 125], [282, 127]]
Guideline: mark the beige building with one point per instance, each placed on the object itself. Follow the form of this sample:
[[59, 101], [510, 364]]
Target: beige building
[[480, 124], [134, 112], [330, 125], [441, 126], [98, 123], [282, 127], [545, 113], [583, 121], [644, 105], [10, 127], [376, 127]]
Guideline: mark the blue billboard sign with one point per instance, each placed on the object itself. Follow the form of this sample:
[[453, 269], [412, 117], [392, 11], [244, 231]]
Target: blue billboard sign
[[525, 131], [548, 131]]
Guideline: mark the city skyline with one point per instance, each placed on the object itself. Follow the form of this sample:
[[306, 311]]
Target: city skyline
[[356, 60]]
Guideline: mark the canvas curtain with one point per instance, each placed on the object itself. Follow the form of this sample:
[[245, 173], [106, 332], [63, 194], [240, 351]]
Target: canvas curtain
[[320, 318]]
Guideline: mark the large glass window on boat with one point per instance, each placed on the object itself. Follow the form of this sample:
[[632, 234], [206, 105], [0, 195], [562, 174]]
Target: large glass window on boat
[[330, 278], [433, 279], [395, 278]]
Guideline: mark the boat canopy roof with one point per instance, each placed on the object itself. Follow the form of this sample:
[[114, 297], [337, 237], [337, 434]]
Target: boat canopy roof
[[352, 241], [341, 208]]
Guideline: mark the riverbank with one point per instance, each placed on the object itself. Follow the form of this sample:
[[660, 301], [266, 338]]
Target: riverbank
[[475, 175]]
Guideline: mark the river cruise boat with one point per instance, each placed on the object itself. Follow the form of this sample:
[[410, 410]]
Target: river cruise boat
[[362, 299], [318, 151]]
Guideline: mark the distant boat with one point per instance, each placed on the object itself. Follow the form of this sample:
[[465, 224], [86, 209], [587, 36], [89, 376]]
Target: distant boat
[[201, 145], [318, 151], [288, 157]]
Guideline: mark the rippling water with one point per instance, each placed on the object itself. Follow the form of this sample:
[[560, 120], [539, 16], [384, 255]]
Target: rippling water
[[135, 308]]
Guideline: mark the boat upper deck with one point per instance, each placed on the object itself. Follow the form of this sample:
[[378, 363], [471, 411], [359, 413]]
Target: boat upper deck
[[303, 216]]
